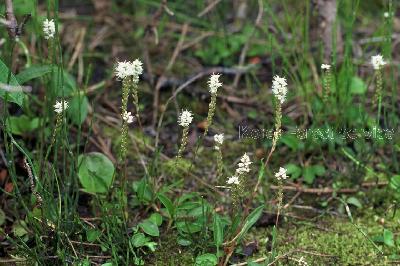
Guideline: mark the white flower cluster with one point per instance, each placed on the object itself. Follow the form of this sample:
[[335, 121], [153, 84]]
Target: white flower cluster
[[377, 61], [219, 139], [185, 118], [243, 167], [58, 107], [325, 66], [127, 117], [281, 174], [214, 83], [126, 68], [279, 88], [233, 180], [49, 29]]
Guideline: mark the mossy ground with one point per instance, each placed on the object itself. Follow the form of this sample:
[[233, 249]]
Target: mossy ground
[[333, 241], [327, 241]]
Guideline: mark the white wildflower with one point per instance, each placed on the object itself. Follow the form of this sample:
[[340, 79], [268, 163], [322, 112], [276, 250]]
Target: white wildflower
[[233, 180], [219, 139], [281, 174], [127, 117], [185, 118], [279, 88], [214, 83], [137, 69], [377, 61], [58, 107], [386, 14], [243, 165], [325, 66], [125, 69], [49, 29]]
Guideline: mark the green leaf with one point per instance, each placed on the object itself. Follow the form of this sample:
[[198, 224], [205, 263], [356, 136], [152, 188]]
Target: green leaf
[[19, 228], [78, 109], [251, 220], [293, 170], [156, 218], [354, 201], [388, 238], [261, 171], [151, 246], [167, 204], [143, 190], [218, 230], [357, 86], [139, 240], [291, 141], [207, 259], [14, 96], [395, 182], [20, 125], [95, 172], [189, 227], [149, 227], [308, 174], [319, 169], [184, 242], [23, 7], [92, 235], [32, 72]]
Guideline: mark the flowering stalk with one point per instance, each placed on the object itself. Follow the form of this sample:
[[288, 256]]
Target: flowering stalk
[[129, 73], [127, 119], [184, 121], [236, 184], [327, 82], [377, 63], [213, 84], [280, 176], [59, 109], [137, 71], [279, 89], [219, 139], [237, 181]]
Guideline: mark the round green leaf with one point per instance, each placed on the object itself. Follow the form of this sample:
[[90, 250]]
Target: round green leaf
[[95, 172], [139, 240], [357, 86], [149, 227], [207, 259]]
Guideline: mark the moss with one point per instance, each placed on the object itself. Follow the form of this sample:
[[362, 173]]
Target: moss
[[335, 237], [169, 253]]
